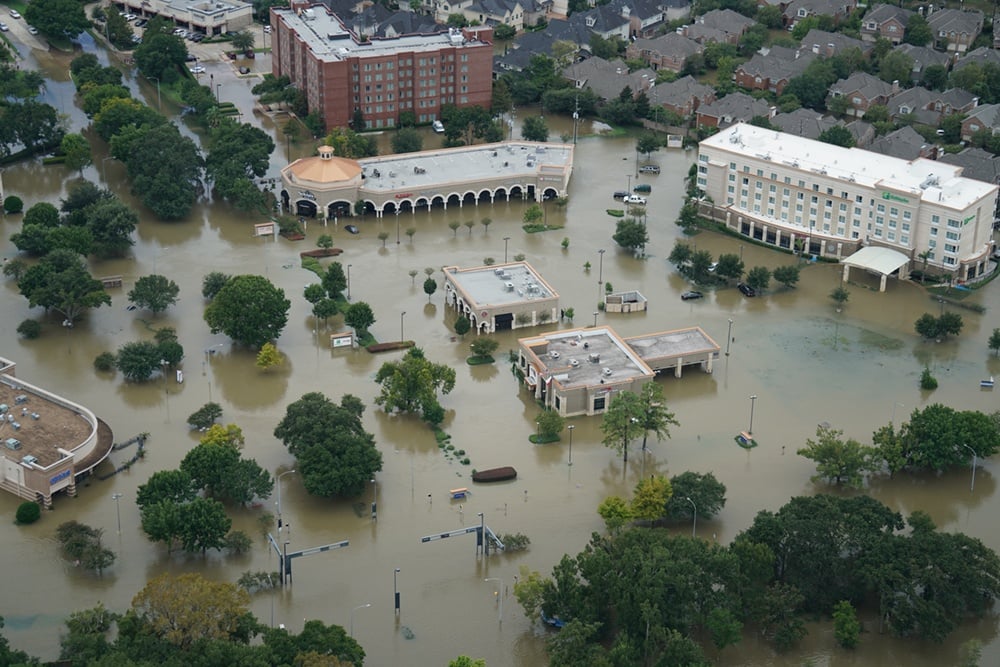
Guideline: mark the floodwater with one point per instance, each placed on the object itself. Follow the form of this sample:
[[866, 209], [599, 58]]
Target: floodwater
[[805, 362]]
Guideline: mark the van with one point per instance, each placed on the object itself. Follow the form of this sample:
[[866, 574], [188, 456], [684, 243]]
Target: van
[[438, 126], [650, 169]]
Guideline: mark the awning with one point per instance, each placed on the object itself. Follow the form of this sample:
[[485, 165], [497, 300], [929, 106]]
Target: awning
[[879, 260]]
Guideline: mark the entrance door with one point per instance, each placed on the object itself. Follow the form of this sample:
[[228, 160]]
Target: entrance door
[[504, 322]]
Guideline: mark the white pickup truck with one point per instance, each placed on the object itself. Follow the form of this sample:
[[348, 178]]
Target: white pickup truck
[[635, 199]]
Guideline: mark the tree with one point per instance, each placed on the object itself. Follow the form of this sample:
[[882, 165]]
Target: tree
[[334, 454], [186, 609], [407, 140], [934, 436], [212, 283], [462, 325], [248, 309], [837, 460], [994, 342], [846, 627], [681, 255], [950, 324], [76, 149], [325, 241], [724, 628], [60, 281], [335, 280], [205, 416], [430, 286], [165, 167], [616, 512], [630, 234], [549, 422], [243, 40], [647, 143], [203, 525], [483, 347], [62, 19], [651, 497], [268, 357], [621, 422], [531, 216], [896, 66], [918, 32], [707, 493], [787, 275], [653, 413], [154, 292], [759, 277], [111, 224], [926, 326], [840, 295], [160, 55], [413, 383], [535, 128], [838, 135], [729, 266], [359, 316], [138, 360], [464, 660]]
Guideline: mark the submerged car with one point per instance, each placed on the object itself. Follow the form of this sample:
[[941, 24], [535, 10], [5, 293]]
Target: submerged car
[[746, 290], [635, 199], [438, 126], [352, 229], [691, 294]]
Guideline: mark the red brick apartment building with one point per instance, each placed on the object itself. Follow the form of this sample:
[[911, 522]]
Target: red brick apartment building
[[382, 77]]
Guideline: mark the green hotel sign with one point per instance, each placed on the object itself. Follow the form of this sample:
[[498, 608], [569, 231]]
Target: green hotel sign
[[969, 219], [892, 197]]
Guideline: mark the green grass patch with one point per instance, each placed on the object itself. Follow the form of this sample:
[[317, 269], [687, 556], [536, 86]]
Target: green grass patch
[[54, 159], [312, 264], [480, 361], [874, 339], [536, 227], [388, 347], [536, 439], [615, 212]]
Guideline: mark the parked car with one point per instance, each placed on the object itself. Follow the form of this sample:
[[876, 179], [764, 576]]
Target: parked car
[[141, 23], [643, 188], [32, 30], [691, 294], [352, 229], [197, 69], [3, 27], [620, 194], [438, 126], [14, 14], [635, 199], [650, 169], [267, 29], [746, 290], [712, 267]]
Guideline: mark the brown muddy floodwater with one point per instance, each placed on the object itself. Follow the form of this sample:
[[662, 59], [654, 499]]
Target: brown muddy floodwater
[[805, 362]]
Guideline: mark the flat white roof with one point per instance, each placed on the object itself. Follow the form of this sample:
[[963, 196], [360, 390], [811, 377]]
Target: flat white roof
[[500, 285], [330, 41], [586, 357], [928, 180]]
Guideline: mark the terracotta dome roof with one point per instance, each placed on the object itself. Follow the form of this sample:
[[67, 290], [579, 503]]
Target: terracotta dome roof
[[325, 168]]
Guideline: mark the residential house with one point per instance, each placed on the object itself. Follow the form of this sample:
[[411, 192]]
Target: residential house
[[862, 131], [923, 57], [675, 10], [682, 96], [804, 123], [886, 21], [929, 107], [645, 17], [955, 29], [669, 51], [772, 69], [733, 108], [863, 91], [984, 118], [975, 163], [828, 44], [796, 10], [608, 78], [603, 20], [718, 25], [489, 12], [530, 44], [981, 56], [905, 143]]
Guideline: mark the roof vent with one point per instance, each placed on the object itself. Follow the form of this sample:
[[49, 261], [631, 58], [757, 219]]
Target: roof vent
[[606, 371], [574, 363], [554, 354]]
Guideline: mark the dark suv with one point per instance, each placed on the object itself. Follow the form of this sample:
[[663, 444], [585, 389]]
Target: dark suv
[[746, 290], [621, 194]]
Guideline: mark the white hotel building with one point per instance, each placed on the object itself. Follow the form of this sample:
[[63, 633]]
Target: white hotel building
[[781, 189]]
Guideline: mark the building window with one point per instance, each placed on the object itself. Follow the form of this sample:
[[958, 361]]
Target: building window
[[599, 403]]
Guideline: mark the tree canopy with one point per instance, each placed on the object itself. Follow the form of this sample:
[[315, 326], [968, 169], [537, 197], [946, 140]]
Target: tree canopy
[[60, 281], [413, 383], [248, 309], [155, 293], [57, 18]]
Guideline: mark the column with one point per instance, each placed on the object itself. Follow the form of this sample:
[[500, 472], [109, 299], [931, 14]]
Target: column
[[847, 273], [777, 237], [881, 283], [677, 368], [711, 362]]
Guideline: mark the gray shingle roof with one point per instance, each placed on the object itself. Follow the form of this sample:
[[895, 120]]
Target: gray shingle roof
[[976, 163], [608, 78], [736, 107], [669, 44], [726, 20], [804, 123], [956, 20], [867, 85], [988, 115], [821, 39], [924, 56], [980, 56], [778, 63], [904, 143], [680, 92], [882, 13]]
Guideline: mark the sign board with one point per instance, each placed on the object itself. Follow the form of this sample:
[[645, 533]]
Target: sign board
[[342, 340], [264, 229], [893, 197], [60, 477]]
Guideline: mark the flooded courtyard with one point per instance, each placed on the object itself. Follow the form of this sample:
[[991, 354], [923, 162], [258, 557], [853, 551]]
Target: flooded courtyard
[[805, 362]]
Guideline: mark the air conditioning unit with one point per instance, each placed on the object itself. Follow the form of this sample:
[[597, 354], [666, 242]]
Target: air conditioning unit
[[12, 444], [595, 357], [606, 371], [574, 363], [510, 287], [29, 459], [554, 354]]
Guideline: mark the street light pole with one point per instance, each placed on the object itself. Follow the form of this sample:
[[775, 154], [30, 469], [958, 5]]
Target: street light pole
[[374, 507], [753, 400], [600, 272], [218, 94], [595, 319], [729, 336], [116, 497], [505, 240], [395, 590], [694, 525], [571, 427], [397, 225], [287, 472], [401, 337], [360, 606], [975, 458], [499, 595], [349, 282]]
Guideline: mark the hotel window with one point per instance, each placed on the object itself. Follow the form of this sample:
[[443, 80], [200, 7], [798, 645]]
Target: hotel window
[[932, 243], [774, 177], [814, 199], [732, 178], [878, 233], [859, 199], [880, 208], [812, 212], [729, 200], [731, 190], [906, 215], [757, 196], [702, 158], [773, 188], [770, 212], [906, 226], [894, 212], [856, 223], [799, 196], [746, 181], [953, 236], [891, 236], [892, 223], [798, 207], [949, 260], [802, 184], [934, 231], [732, 165], [758, 185], [843, 195], [843, 207], [935, 219], [826, 215], [760, 172], [954, 223], [744, 192], [904, 239], [829, 191], [815, 187], [702, 169], [785, 192], [788, 180], [842, 220], [770, 200], [702, 181], [879, 220], [948, 247]]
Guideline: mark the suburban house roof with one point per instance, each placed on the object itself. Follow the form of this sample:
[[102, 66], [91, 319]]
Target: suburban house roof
[[980, 56], [988, 115], [879, 14], [956, 21], [804, 123], [929, 106], [924, 56], [725, 20], [608, 78], [865, 85], [831, 43], [540, 43], [800, 9], [735, 108], [904, 143], [670, 44], [975, 163], [681, 92], [778, 63], [601, 19], [643, 10]]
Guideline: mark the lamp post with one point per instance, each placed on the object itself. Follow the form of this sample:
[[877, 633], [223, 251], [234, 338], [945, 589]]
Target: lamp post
[[595, 318], [397, 225], [694, 525], [270, 585], [287, 472], [975, 458], [571, 427], [374, 507], [349, 281], [729, 336], [499, 595], [505, 240], [600, 271], [395, 590], [753, 400], [576, 116], [360, 606], [218, 93], [401, 337], [153, 78], [116, 497]]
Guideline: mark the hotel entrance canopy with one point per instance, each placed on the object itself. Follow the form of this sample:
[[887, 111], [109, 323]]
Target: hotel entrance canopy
[[883, 261]]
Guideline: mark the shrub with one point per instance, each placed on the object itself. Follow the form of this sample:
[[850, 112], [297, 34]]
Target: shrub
[[30, 329], [466, 461], [104, 362], [13, 204], [238, 542], [28, 512], [927, 381]]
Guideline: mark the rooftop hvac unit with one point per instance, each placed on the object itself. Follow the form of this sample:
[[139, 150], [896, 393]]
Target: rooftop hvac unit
[[509, 286], [29, 459], [499, 272], [16, 425], [4, 408], [574, 363], [12, 444], [19, 399], [594, 357], [606, 371], [554, 354]]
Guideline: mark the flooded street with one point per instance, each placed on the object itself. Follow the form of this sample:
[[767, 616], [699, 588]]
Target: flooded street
[[805, 362]]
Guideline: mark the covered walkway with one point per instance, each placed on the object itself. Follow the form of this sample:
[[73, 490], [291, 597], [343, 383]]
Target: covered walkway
[[883, 261]]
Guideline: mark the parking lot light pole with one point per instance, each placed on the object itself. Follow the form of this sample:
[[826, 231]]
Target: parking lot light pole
[[118, 496], [753, 400], [694, 525], [499, 595], [401, 337], [975, 459], [600, 272], [729, 336], [571, 427], [287, 472], [395, 590], [218, 94], [505, 240], [349, 282], [360, 606]]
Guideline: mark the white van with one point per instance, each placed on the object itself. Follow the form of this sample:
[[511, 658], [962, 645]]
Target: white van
[[438, 126]]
